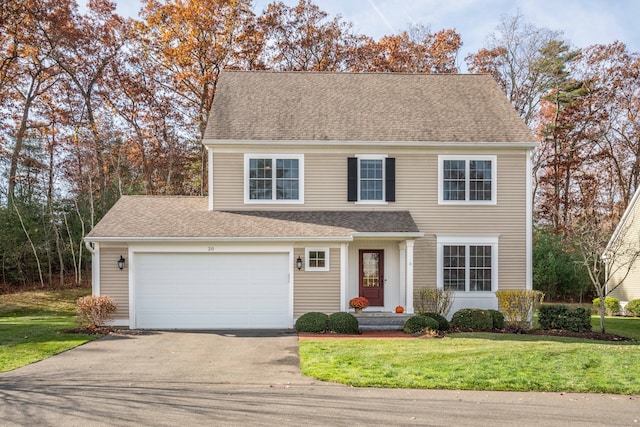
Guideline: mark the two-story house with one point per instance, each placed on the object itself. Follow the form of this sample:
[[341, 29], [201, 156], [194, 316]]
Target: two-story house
[[323, 187]]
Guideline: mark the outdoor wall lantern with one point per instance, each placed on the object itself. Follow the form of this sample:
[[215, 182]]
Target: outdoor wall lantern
[[121, 263], [299, 263]]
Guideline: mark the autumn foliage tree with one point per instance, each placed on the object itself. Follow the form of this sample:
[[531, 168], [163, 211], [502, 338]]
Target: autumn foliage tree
[[94, 105]]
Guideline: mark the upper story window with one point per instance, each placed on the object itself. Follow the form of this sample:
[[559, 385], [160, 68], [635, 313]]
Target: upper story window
[[270, 178], [371, 179], [467, 179], [467, 264]]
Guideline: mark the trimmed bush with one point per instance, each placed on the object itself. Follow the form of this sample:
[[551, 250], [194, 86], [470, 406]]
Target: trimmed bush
[[611, 306], [633, 307], [343, 323], [418, 323], [518, 305], [497, 319], [443, 323], [95, 311], [314, 322], [559, 316], [472, 319], [433, 300]]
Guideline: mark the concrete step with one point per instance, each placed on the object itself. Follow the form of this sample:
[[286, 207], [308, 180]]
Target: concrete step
[[381, 321]]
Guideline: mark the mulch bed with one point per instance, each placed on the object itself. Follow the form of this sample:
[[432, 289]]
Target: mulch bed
[[592, 335], [597, 336], [363, 335]]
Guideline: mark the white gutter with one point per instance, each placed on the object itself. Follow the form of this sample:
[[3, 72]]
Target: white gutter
[[219, 239], [322, 143]]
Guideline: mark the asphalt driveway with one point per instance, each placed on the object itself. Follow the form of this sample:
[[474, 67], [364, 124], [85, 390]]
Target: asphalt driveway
[[233, 378]]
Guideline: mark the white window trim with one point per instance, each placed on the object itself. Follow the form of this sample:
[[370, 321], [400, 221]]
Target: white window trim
[[274, 157], [384, 179], [327, 256], [467, 158], [468, 241]]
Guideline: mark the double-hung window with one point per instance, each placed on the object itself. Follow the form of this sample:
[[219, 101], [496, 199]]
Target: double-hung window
[[270, 178], [467, 179], [467, 265], [371, 179]]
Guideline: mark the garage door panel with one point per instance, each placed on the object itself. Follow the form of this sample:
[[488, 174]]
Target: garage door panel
[[180, 290]]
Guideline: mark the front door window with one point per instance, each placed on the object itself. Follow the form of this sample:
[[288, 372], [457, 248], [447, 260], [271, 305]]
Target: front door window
[[371, 276]]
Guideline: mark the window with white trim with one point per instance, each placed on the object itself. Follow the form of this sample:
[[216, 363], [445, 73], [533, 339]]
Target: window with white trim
[[467, 179], [467, 264], [371, 179], [317, 259], [271, 178]]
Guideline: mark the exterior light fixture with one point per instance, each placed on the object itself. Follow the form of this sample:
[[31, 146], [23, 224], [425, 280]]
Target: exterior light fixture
[[299, 263], [121, 263]]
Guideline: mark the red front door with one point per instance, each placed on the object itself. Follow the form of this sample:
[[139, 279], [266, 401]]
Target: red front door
[[371, 276]]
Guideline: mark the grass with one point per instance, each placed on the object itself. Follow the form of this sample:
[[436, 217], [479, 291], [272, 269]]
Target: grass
[[623, 326], [482, 361], [33, 325]]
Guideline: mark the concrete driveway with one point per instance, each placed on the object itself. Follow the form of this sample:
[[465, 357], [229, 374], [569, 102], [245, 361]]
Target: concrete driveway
[[227, 378]]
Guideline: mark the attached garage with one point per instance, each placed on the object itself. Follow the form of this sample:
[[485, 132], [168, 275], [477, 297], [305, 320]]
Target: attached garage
[[212, 290]]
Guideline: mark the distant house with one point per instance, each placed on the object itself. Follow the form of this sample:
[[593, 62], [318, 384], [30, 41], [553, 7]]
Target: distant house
[[327, 186], [625, 277]]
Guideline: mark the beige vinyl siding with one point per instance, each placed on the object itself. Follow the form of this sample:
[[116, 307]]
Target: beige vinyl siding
[[416, 191], [114, 282], [629, 289], [317, 290]]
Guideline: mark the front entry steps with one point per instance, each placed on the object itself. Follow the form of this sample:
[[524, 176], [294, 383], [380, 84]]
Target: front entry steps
[[378, 321]]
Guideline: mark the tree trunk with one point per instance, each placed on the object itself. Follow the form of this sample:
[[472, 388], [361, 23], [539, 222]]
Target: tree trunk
[[602, 329]]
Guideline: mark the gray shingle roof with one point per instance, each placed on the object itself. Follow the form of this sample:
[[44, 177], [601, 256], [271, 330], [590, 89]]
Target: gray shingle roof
[[139, 217], [259, 105]]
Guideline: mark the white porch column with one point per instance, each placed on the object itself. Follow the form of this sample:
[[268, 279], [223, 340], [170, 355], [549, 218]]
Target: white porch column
[[409, 274], [344, 274], [402, 247]]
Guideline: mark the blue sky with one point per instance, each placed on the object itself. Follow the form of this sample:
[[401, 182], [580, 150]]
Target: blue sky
[[584, 22]]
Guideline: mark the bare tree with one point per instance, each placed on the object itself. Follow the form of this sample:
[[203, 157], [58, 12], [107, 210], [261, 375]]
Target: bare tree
[[608, 261]]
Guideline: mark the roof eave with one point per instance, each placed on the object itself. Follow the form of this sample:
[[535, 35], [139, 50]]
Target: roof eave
[[427, 144], [137, 239], [389, 235]]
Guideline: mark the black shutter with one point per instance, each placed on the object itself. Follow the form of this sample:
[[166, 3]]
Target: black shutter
[[352, 180], [390, 179]]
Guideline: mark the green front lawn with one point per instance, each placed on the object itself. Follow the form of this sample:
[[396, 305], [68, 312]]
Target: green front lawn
[[623, 326], [481, 361], [33, 325]]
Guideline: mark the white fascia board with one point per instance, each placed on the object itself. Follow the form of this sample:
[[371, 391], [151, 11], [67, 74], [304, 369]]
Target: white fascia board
[[388, 235], [321, 143], [220, 239]]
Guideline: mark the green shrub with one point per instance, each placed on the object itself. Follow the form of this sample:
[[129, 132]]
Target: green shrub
[[472, 319], [95, 311], [443, 323], [497, 319], [633, 307], [343, 323], [312, 322], [611, 306], [418, 323], [560, 316]]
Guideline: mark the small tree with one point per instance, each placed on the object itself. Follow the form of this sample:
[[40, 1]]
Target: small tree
[[607, 256]]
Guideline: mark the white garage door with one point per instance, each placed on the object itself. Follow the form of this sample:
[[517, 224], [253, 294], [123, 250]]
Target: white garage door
[[212, 291]]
